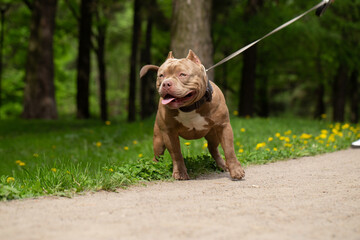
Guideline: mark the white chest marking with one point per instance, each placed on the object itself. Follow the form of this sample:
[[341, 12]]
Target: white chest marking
[[192, 120]]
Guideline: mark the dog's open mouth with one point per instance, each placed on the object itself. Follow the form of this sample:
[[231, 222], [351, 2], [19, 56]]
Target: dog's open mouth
[[169, 98]]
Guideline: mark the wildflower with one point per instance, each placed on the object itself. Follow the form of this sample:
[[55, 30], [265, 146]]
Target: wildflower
[[331, 138], [10, 179], [277, 135], [20, 163], [270, 139], [111, 170], [274, 149], [294, 136], [241, 150], [340, 134], [140, 155], [205, 145], [289, 145], [98, 144], [305, 142], [135, 142], [237, 143], [287, 139], [68, 172], [324, 131], [187, 143], [305, 136], [323, 136], [287, 132], [126, 148], [242, 129], [107, 123], [35, 155], [236, 113], [260, 145], [335, 147], [321, 141], [323, 116], [282, 138], [53, 169], [335, 131], [267, 149]]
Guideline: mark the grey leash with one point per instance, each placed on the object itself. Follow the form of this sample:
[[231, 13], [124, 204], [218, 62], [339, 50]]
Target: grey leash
[[320, 9]]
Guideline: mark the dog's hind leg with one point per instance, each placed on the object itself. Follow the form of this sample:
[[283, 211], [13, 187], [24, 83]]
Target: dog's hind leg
[[213, 144]]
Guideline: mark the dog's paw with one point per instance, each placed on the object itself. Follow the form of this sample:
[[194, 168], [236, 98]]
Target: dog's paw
[[180, 175], [237, 172]]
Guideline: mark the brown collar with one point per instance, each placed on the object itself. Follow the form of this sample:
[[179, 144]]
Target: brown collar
[[206, 98]]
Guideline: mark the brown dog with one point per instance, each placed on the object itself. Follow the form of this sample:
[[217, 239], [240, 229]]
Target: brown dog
[[191, 107]]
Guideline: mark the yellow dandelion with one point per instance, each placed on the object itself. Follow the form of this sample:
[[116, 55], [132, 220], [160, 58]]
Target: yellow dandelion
[[335, 147], [268, 149], [241, 150], [287, 139], [98, 144], [236, 113], [135, 142], [260, 145], [237, 143], [53, 169], [294, 136], [126, 148], [205, 145], [10, 179], [288, 132], [35, 155], [68, 172], [305, 136], [20, 163], [340, 134], [289, 145], [187, 143], [107, 123], [111, 170], [140, 155], [274, 149], [305, 142], [323, 116], [282, 138], [321, 141], [242, 130], [277, 135], [324, 131], [270, 139], [323, 136]]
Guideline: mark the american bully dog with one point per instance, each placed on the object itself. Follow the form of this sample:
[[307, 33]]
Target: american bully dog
[[191, 107]]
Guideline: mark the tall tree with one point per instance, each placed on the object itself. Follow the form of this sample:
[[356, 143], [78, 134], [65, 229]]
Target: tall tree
[[100, 55], [83, 62], [339, 93], [136, 31], [191, 29], [39, 96], [248, 81]]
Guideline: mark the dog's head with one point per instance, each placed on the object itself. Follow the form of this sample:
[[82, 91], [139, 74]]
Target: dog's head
[[180, 82]]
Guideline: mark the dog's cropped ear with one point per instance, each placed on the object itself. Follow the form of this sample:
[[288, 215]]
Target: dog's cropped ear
[[192, 56], [146, 68], [170, 55]]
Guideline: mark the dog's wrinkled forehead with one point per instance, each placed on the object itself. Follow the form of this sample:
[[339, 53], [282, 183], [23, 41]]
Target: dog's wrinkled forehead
[[174, 66]]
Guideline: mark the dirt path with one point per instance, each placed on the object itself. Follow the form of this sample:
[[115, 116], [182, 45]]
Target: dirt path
[[308, 198]]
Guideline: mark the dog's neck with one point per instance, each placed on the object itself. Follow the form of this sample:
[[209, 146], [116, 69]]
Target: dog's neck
[[206, 98]]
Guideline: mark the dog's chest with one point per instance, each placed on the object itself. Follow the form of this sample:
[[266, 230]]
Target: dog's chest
[[192, 120]]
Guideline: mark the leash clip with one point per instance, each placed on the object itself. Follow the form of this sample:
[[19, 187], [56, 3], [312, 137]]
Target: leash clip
[[320, 10]]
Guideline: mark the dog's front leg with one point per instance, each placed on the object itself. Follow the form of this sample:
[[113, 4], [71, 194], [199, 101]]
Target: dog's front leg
[[172, 143], [226, 138]]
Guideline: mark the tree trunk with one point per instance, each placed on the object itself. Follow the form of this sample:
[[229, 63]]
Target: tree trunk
[[39, 96], [133, 60], [263, 98], [100, 54], [354, 96], [339, 93], [320, 106], [247, 84], [191, 29], [148, 105], [83, 67]]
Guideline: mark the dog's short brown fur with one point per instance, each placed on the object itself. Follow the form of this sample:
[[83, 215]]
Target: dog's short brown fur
[[181, 83]]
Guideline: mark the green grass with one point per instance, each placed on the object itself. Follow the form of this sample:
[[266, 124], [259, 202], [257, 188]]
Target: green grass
[[65, 157]]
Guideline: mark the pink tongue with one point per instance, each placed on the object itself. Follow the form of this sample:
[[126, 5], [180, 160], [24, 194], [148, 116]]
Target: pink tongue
[[167, 100]]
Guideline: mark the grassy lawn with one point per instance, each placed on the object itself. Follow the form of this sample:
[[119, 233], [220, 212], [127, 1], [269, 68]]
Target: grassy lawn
[[66, 157]]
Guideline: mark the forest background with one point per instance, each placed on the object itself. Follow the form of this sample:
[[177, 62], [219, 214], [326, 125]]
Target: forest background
[[81, 59]]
